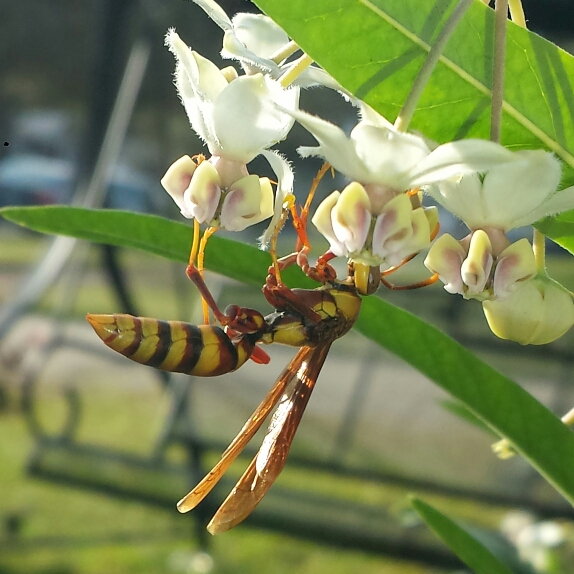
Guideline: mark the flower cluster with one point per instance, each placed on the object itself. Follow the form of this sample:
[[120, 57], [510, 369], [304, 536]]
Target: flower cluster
[[379, 219]]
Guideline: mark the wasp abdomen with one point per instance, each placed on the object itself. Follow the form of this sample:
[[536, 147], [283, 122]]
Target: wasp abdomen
[[201, 350]]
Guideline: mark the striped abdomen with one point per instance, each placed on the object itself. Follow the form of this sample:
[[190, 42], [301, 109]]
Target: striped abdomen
[[201, 350]]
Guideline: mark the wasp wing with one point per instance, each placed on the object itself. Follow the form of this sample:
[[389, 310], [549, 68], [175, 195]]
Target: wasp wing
[[298, 380], [193, 498]]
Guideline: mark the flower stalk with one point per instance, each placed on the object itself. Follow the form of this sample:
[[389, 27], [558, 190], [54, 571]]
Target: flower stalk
[[500, 22], [296, 69], [407, 111]]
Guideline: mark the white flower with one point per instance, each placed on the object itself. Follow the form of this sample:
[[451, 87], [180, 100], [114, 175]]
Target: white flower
[[257, 43], [346, 220], [479, 267], [238, 119], [537, 313], [386, 163], [512, 195]]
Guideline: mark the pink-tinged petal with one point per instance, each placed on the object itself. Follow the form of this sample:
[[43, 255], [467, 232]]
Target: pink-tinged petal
[[177, 179], [323, 222], [515, 265], [475, 269], [393, 227], [241, 204], [351, 217], [445, 257], [202, 196]]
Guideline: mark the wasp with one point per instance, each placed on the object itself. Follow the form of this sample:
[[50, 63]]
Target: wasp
[[311, 319]]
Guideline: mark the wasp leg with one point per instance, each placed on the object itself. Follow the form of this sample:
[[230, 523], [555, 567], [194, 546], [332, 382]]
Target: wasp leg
[[429, 281]]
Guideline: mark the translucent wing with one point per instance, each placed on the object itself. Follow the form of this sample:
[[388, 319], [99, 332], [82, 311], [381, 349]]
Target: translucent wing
[[193, 498], [298, 381]]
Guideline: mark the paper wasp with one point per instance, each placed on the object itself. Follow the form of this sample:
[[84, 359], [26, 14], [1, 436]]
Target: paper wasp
[[311, 319]]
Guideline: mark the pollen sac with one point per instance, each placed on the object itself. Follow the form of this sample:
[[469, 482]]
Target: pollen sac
[[539, 312]]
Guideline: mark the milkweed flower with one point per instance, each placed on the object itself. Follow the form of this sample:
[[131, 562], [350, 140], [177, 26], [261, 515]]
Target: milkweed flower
[[485, 265], [373, 221], [237, 118], [257, 42]]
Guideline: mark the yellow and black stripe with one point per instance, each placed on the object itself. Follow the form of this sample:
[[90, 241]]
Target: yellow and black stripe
[[201, 350]]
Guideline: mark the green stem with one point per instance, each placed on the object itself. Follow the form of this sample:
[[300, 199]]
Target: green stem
[[500, 21], [539, 248], [517, 12], [295, 70], [290, 48], [409, 107]]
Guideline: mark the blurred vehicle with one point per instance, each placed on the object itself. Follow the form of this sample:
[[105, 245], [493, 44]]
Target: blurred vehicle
[[39, 167]]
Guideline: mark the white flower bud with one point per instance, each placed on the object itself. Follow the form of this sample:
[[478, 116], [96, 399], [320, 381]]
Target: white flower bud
[[537, 313]]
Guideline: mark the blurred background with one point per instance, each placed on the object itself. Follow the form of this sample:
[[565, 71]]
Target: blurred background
[[95, 451]]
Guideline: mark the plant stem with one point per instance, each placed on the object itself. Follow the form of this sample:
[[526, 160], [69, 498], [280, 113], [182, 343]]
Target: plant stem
[[290, 48], [407, 111], [539, 248], [517, 12], [295, 70], [500, 21]]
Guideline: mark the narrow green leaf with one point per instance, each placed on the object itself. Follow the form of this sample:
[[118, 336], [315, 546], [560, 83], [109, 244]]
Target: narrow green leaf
[[150, 233], [374, 48], [462, 412], [472, 552], [503, 405]]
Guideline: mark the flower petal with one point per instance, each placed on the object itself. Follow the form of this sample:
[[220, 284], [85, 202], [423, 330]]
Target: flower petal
[[557, 203], [388, 155], [216, 13], [241, 204], [259, 34], [537, 313], [516, 189], [245, 119], [284, 189], [202, 196], [514, 266], [177, 179], [334, 146], [475, 269], [459, 158], [445, 257], [323, 221], [393, 227], [351, 217]]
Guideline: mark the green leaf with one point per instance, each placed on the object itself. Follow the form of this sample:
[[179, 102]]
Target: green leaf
[[150, 233], [472, 552], [375, 48], [560, 229], [503, 405], [462, 412]]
